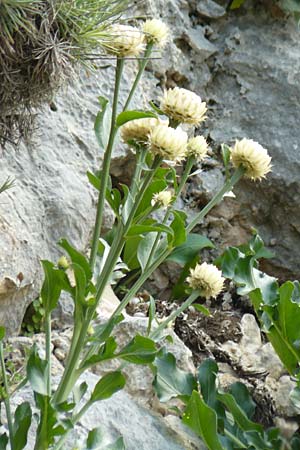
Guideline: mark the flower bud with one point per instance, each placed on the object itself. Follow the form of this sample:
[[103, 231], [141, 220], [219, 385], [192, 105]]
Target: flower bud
[[168, 142], [207, 278], [183, 106], [63, 263], [162, 199], [126, 41], [139, 130], [156, 31], [197, 147], [253, 157]]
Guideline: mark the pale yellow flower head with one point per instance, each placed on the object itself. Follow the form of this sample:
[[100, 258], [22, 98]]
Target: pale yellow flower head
[[207, 278], [183, 106], [156, 31], [140, 129], [197, 147], [126, 41], [168, 142], [253, 157], [162, 199]]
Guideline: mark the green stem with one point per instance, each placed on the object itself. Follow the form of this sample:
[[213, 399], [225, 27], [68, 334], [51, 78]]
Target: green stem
[[189, 164], [106, 164], [174, 314], [74, 421], [217, 198], [48, 350], [234, 439], [6, 399], [142, 66], [140, 159], [144, 276], [71, 374]]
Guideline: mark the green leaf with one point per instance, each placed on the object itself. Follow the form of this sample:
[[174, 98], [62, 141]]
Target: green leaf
[[3, 441], [203, 421], [96, 438], [94, 180], [49, 426], [131, 251], [236, 4], [207, 375], [52, 286], [81, 284], [127, 116], [201, 309], [101, 123], [226, 151], [178, 227], [107, 351], [157, 185], [140, 350], [238, 414], [289, 314], [170, 381], [77, 257], [79, 391], [135, 230], [243, 398], [144, 249], [151, 314], [2, 333], [21, 425], [108, 385], [295, 397], [156, 109], [37, 372], [191, 247]]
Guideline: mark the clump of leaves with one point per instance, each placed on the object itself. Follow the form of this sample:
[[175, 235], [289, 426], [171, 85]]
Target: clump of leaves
[[222, 420], [34, 318], [42, 43]]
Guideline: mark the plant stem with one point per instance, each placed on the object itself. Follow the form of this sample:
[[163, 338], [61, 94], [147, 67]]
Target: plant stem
[[183, 307], [142, 66], [234, 439], [144, 276], [48, 350], [71, 373], [106, 164], [217, 198], [185, 175], [74, 421], [6, 399]]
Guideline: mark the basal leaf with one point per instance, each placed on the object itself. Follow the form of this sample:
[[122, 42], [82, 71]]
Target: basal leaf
[[203, 421], [170, 381], [22, 422]]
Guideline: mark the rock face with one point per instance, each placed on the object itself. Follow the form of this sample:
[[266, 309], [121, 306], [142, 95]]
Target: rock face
[[244, 64], [131, 421]]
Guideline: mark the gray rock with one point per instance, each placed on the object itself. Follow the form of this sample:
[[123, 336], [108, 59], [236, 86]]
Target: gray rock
[[119, 416], [209, 8]]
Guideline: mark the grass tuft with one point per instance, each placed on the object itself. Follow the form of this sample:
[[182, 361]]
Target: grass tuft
[[42, 45]]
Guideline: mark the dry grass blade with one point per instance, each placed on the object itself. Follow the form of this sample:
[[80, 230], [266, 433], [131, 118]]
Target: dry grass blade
[[42, 44]]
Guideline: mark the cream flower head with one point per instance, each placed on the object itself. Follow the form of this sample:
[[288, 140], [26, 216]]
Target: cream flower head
[[197, 147], [156, 31], [126, 41], [207, 278], [253, 157], [140, 129], [162, 199], [183, 106], [168, 142]]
